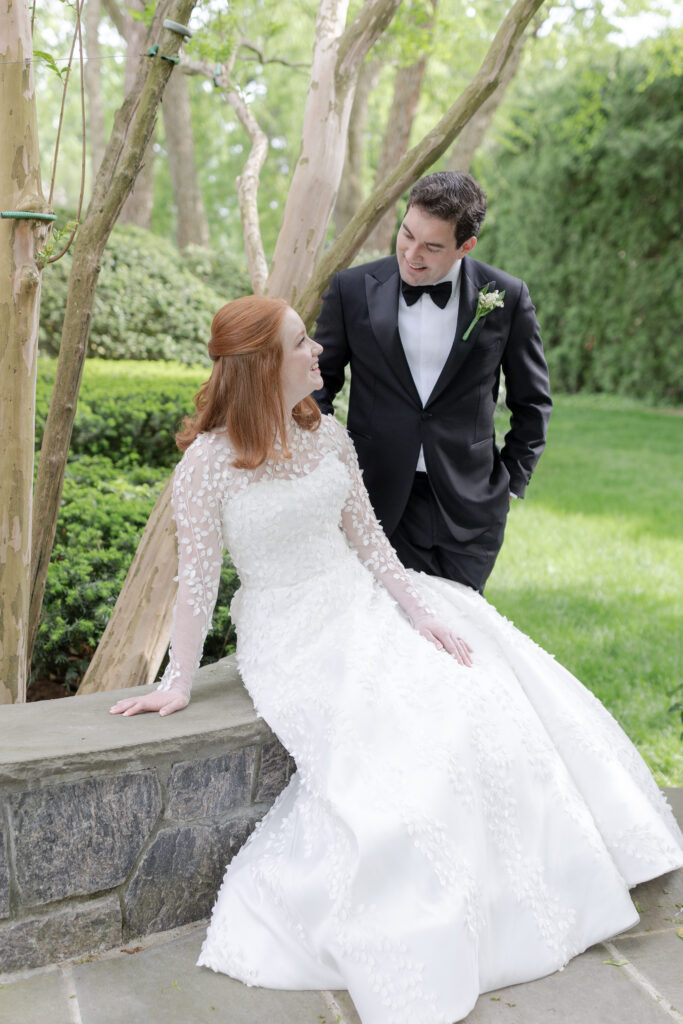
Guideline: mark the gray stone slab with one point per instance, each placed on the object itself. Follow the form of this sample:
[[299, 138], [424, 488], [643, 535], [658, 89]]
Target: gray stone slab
[[37, 941], [4, 877], [161, 985], [42, 999], [177, 879], [276, 770], [79, 733], [659, 903], [587, 991], [211, 787], [348, 1010], [675, 797], [659, 958], [81, 837]]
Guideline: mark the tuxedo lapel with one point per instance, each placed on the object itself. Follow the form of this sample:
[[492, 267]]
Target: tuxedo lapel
[[467, 308], [382, 300]]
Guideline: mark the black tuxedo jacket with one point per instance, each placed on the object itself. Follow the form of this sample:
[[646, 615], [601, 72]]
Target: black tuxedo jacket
[[358, 324]]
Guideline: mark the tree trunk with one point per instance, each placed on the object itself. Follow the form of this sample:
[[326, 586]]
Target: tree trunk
[[133, 127], [192, 225], [139, 616], [350, 194], [20, 278], [137, 208], [338, 55], [419, 158], [407, 89], [93, 83]]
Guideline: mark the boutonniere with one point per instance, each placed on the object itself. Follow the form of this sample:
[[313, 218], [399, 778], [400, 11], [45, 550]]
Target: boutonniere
[[486, 302]]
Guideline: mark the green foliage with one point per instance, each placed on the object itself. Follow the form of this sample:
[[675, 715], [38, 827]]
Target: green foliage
[[585, 205], [121, 455], [220, 269], [127, 411], [102, 515], [49, 62], [148, 304]]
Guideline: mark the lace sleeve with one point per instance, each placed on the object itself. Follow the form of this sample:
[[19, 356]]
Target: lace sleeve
[[366, 536], [196, 508]]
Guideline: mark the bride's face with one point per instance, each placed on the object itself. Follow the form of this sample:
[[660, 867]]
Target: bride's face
[[299, 373]]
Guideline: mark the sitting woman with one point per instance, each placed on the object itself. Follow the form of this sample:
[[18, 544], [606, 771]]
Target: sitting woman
[[465, 814]]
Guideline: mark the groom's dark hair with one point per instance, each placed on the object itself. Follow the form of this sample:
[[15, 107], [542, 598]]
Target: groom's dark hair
[[453, 196]]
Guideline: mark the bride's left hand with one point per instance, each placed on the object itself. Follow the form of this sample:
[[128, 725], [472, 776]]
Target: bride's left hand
[[444, 639]]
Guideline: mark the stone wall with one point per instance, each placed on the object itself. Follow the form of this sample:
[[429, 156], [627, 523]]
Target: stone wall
[[114, 827]]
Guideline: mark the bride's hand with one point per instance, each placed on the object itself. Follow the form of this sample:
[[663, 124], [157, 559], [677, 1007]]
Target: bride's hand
[[444, 639], [163, 701]]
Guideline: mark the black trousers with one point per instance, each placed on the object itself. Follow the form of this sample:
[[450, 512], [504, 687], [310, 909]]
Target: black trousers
[[423, 541]]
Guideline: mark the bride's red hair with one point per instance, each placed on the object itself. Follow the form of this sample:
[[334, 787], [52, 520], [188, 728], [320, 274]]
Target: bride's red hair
[[244, 393]]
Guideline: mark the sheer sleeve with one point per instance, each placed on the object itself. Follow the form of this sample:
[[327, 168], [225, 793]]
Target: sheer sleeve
[[365, 534], [196, 508]]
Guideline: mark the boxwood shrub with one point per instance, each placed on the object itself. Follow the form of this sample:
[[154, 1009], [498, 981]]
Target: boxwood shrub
[[149, 304]]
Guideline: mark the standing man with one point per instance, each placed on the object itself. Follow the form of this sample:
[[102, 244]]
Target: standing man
[[426, 333]]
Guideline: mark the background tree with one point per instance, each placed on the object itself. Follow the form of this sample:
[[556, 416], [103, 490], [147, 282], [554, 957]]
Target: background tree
[[192, 227], [407, 88], [137, 208]]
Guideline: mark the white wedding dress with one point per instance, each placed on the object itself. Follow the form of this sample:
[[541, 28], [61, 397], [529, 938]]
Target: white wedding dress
[[449, 830]]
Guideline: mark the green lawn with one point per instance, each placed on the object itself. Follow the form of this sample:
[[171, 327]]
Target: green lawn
[[592, 565]]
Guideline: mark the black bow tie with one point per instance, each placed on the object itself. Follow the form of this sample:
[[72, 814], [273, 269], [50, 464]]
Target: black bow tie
[[439, 293]]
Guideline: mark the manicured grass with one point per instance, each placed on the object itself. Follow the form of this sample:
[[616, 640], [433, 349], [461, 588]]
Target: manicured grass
[[592, 565]]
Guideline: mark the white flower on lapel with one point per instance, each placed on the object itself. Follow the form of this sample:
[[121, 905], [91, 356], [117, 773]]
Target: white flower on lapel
[[486, 302]]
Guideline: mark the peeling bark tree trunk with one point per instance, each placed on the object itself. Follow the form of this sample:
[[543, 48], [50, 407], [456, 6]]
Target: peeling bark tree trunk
[[406, 97], [93, 83], [133, 127], [350, 194], [338, 55], [20, 190], [192, 227]]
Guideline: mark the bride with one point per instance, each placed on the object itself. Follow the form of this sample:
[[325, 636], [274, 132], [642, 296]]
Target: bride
[[465, 814]]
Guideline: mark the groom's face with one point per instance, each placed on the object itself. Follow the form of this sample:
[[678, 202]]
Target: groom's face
[[426, 248]]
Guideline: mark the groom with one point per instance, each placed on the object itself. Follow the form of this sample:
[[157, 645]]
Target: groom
[[426, 333]]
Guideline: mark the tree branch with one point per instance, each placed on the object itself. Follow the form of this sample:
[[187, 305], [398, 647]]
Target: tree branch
[[362, 34], [116, 16], [246, 45], [248, 181], [247, 192]]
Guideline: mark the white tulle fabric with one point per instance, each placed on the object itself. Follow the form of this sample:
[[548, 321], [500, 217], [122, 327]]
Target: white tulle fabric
[[449, 830]]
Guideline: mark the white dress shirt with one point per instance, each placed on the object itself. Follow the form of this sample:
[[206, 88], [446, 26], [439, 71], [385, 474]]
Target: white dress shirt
[[427, 334]]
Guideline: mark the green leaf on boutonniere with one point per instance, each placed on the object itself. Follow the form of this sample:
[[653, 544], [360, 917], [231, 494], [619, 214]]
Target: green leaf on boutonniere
[[486, 302]]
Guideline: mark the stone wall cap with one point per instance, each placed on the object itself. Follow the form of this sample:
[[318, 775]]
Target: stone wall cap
[[79, 731]]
